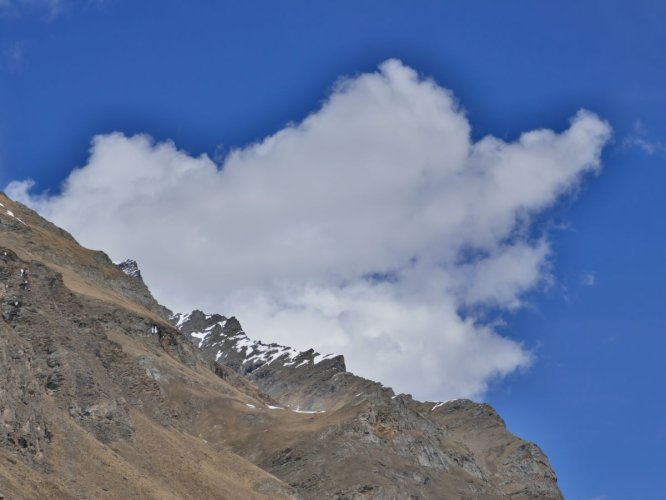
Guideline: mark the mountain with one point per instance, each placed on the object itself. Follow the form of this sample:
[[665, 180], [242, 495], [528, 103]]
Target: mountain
[[107, 394]]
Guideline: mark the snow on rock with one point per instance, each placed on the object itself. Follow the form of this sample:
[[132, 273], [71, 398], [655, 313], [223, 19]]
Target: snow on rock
[[319, 358], [298, 410], [442, 403], [130, 268], [222, 337], [180, 319], [11, 214]]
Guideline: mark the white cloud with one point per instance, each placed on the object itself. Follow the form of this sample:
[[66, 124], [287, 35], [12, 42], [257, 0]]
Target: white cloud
[[588, 279], [365, 230]]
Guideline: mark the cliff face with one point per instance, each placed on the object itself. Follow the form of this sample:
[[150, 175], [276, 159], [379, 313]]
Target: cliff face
[[103, 396]]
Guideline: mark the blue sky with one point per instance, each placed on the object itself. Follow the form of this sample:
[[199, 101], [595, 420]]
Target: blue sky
[[213, 76]]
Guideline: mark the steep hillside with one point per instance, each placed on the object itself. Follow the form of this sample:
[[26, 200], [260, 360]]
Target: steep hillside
[[104, 397], [99, 391]]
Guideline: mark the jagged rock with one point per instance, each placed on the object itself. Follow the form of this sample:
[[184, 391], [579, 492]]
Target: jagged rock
[[130, 268], [301, 380]]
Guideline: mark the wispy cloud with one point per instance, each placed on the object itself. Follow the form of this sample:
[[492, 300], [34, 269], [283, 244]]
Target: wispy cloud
[[50, 9], [365, 229], [13, 55], [639, 138], [588, 279]]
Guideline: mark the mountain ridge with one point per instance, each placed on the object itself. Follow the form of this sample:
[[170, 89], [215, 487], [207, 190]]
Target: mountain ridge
[[106, 397]]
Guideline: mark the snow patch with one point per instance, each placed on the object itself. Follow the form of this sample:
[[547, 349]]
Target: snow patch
[[441, 403], [182, 319], [130, 268], [201, 336], [255, 352], [298, 410], [319, 358], [11, 214]]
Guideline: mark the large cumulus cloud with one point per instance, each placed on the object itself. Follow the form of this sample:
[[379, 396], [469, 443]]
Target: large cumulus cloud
[[375, 228]]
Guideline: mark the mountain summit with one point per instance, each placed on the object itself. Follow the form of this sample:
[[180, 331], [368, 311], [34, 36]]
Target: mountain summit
[[107, 394]]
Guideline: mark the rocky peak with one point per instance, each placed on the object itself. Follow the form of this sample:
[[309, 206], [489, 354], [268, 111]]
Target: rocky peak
[[130, 268], [277, 369]]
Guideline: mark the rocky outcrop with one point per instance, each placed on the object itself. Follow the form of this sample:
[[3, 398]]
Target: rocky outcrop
[[300, 380], [130, 268]]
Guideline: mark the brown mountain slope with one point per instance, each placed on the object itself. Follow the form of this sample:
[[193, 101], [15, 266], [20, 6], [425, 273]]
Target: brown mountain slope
[[379, 442], [103, 398], [85, 409]]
